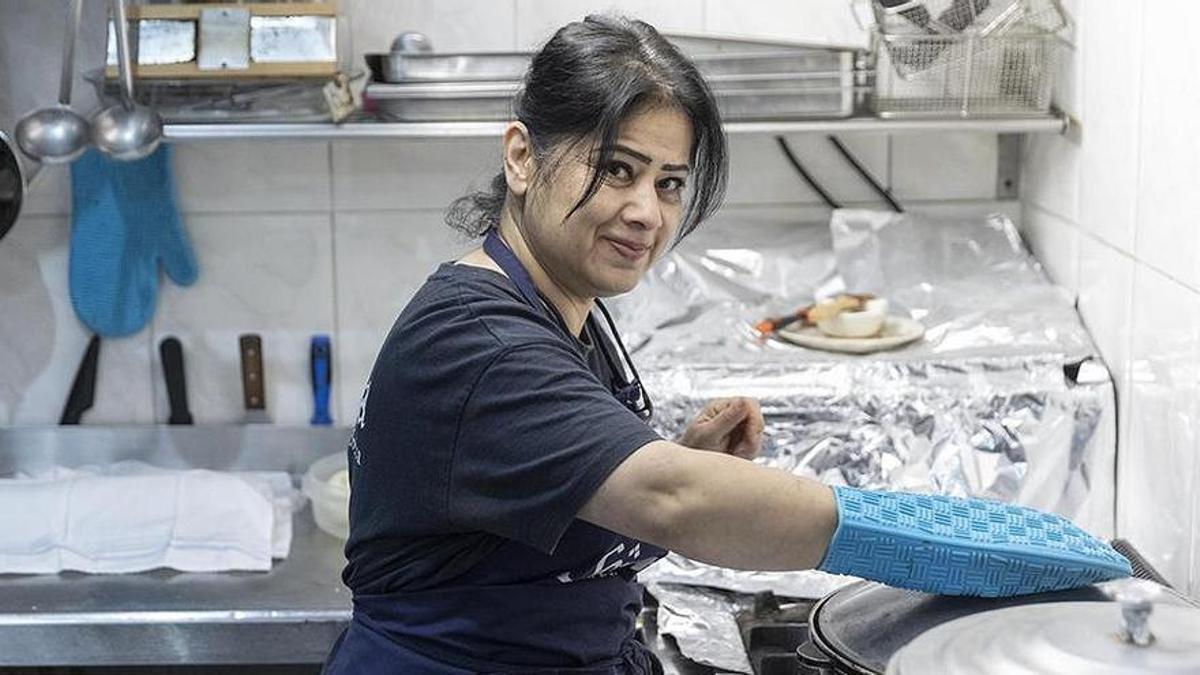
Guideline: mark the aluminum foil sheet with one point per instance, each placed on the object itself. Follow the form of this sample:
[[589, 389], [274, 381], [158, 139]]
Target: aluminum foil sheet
[[704, 619], [1004, 398]]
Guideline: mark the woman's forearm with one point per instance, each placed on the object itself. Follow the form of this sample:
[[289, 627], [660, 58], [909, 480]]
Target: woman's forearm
[[717, 509]]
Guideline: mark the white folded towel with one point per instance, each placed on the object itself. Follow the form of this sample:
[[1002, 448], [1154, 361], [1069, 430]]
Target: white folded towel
[[131, 517]]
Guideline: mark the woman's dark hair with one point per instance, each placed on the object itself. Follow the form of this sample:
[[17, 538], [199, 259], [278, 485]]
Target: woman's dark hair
[[579, 88]]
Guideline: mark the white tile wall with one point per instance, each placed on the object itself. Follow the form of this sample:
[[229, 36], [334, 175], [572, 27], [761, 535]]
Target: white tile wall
[[1133, 239], [810, 21], [1168, 234], [1055, 242], [759, 172], [1158, 465], [417, 174], [382, 258], [944, 166], [537, 20], [1105, 296], [1050, 175], [271, 177], [270, 274], [1112, 87], [42, 342]]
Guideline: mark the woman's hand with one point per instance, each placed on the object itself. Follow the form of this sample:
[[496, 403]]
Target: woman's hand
[[733, 426]]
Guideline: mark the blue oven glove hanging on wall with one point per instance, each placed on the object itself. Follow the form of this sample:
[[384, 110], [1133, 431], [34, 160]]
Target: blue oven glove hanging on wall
[[123, 224], [953, 546]]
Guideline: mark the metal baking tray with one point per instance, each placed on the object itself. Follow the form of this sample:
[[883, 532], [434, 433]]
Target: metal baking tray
[[781, 98], [777, 84], [789, 61], [794, 103], [399, 67], [443, 101]]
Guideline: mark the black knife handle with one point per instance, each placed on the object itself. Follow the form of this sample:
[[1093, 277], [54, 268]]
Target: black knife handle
[[171, 353], [83, 389]]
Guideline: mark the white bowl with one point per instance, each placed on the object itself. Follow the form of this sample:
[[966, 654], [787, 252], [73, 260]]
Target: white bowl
[[864, 323], [327, 484]]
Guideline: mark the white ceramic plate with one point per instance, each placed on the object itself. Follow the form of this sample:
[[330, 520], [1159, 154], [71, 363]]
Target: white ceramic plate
[[897, 330]]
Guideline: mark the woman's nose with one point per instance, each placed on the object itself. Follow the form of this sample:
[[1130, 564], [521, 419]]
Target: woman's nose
[[643, 207]]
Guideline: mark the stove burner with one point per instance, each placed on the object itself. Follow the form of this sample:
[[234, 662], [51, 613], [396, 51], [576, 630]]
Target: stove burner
[[772, 631]]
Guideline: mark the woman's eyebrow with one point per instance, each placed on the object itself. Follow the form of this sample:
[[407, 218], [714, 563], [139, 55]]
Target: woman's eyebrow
[[646, 160]]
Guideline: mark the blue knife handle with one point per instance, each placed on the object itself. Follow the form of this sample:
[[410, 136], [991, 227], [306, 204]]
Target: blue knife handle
[[321, 369]]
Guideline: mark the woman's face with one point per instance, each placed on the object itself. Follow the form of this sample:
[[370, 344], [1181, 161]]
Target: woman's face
[[606, 246]]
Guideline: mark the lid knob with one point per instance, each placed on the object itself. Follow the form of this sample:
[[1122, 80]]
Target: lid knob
[[1137, 598]]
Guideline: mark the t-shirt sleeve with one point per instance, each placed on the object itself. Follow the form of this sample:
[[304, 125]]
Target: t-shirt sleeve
[[539, 434]]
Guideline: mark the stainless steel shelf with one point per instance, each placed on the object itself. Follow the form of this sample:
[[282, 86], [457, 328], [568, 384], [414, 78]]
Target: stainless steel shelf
[[1049, 124]]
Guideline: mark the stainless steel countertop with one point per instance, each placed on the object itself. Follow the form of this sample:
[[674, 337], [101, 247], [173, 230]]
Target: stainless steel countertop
[[291, 614]]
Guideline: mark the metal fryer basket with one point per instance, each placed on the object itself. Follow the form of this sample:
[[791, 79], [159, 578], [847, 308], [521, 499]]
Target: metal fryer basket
[[985, 17], [966, 76], [967, 58]]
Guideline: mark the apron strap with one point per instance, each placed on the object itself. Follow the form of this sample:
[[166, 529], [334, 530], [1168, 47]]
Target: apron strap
[[495, 247]]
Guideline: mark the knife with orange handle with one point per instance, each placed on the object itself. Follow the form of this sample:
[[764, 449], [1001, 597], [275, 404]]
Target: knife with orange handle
[[844, 302], [772, 324]]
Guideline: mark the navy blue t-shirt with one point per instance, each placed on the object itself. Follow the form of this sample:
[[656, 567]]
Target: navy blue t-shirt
[[483, 430]]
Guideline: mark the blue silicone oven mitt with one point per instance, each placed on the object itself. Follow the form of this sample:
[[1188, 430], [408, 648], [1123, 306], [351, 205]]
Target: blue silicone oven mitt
[[951, 546], [124, 223]]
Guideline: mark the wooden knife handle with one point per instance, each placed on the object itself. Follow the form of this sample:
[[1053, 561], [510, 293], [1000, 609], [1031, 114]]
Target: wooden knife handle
[[253, 388]]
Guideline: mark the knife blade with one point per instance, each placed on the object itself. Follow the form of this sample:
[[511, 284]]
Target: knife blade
[[83, 389], [171, 352], [254, 389]]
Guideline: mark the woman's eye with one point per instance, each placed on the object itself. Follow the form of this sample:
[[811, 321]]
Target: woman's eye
[[619, 171], [672, 184]]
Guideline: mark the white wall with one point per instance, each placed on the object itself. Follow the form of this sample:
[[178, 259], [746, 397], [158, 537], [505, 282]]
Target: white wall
[[1109, 212]]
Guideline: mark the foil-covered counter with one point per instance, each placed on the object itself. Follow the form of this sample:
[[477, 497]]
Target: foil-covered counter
[[1004, 397]]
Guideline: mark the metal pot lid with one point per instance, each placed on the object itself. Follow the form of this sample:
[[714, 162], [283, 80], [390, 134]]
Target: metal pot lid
[[1063, 637], [861, 626]]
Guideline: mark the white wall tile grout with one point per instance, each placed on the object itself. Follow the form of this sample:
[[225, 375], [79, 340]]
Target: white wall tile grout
[[1107, 244], [1050, 211], [1137, 128]]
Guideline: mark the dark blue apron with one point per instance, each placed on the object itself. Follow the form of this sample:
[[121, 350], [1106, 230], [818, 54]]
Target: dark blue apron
[[580, 608]]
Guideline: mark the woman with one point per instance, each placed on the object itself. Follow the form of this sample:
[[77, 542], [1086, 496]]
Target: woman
[[505, 487]]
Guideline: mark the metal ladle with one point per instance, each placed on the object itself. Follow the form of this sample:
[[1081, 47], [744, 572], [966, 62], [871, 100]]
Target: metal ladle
[[57, 134], [127, 130]]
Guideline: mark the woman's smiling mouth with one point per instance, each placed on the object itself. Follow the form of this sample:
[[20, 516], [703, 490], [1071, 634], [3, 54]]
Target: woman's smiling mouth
[[631, 250]]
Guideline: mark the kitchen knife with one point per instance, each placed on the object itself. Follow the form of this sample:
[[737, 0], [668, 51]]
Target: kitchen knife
[[83, 389], [254, 389], [171, 353], [321, 371]]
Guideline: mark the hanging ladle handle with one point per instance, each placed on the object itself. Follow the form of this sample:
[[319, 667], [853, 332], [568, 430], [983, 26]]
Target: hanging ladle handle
[[124, 64], [68, 60]]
